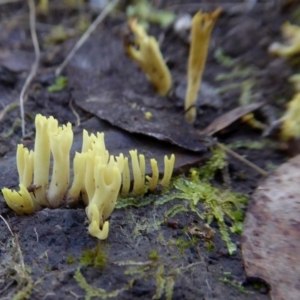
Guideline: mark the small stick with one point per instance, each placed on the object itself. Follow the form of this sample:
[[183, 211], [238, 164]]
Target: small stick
[[75, 113], [108, 8], [6, 223], [243, 159], [35, 65]]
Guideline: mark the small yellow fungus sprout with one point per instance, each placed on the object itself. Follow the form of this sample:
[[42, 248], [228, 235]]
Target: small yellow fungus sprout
[[291, 120], [251, 121], [21, 202], [148, 115], [169, 166], [291, 35], [60, 144], [155, 175], [202, 26], [149, 58]]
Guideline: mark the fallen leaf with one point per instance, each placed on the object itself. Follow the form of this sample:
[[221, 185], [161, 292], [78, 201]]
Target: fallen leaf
[[271, 235], [228, 118]]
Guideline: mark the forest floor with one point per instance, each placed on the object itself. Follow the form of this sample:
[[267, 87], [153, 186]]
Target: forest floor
[[158, 247]]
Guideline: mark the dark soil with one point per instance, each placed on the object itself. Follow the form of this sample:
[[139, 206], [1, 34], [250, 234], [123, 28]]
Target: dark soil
[[52, 242]]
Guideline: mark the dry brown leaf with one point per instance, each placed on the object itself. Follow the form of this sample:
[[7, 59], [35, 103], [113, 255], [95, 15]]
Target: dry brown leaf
[[271, 236]]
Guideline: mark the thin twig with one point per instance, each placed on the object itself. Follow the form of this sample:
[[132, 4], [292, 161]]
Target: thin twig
[[6, 223], [35, 65], [243, 159], [7, 109], [75, 113], [109, 7]]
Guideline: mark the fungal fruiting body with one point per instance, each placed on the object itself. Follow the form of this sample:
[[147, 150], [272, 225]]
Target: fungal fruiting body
[[291, 45], [149, 58], [61, 140], [290, 128], [202, 25], [21, 201], [98, 177]]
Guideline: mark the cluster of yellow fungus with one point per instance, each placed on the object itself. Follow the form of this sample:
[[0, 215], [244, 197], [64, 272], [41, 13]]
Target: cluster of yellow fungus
[[291, 35], [33, 168], [290, 128], [149, 58], [202, 25], [98, 177]]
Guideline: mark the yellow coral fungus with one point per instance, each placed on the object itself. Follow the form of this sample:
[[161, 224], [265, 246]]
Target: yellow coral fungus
[[149, 58], [291, 120], [138, 169], [60, 144], [202, 26], [169, 166], [291, 45], [155, 174], [25, 160]]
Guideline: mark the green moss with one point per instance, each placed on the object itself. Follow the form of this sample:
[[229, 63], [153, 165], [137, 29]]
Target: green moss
[[154, 255], [248, 144], [123, 202], [94, 292], [177, 208], [94, 257], [145, 13], [223, 59], [217, 202], [70, 259], [47, 268], [209, 246], [234, 284], [60, 83], [218, 161]]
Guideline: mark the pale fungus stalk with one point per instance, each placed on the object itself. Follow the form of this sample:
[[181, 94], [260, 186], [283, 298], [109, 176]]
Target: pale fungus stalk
[[60, 144], [25, 160], [125, 178], [78, 180], [149, 58], [169, 166], [138, 170], [155, 175], [42, 157], [89, 181], [202, 26]]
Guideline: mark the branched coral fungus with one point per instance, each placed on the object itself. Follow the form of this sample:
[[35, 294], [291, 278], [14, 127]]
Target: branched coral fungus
[[98, 177], [149, 58]]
